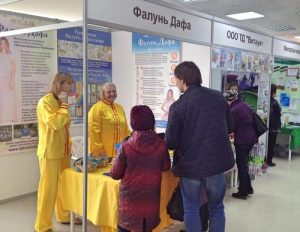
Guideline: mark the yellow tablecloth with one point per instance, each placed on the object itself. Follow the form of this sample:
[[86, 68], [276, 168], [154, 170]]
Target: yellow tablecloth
[[103, 193]]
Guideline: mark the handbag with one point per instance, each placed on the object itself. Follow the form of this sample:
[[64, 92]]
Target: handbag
[[176, 211], [175, 205], [259, 126]]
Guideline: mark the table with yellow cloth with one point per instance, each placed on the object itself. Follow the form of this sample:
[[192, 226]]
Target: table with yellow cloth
[[103, 195]]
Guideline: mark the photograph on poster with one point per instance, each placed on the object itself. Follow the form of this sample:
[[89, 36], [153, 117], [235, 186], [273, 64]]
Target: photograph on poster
[[23, 131], [229, 63], [78, 111], [256, 66], [284, 100], [168, 101], [244, 62], [292, 72], [238, 61], [223, 58], [215, 57], [250, 63], [8, 112], [247, 81], [5, 134]]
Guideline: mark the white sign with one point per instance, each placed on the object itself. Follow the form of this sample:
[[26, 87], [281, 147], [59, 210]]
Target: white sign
[[150, 18], [226, 35], [286, 49]]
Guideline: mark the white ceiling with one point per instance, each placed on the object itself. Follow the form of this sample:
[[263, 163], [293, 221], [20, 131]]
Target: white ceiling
[[69, 10], [277, 12]]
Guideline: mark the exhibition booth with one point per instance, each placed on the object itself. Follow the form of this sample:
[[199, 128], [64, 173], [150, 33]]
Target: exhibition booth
[[244, 58], [286, 77], [136, 47], [140, 62]]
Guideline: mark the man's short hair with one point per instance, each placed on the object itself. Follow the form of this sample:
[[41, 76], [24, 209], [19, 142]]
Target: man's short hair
[[273, 89], [189, 72]]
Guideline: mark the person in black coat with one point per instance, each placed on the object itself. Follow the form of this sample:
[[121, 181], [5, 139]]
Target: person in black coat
[[274, 125], [198, 130]]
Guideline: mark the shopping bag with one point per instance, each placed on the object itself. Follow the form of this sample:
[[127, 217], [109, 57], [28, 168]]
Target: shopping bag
[[175, 205], [259, 126], [176, 211]]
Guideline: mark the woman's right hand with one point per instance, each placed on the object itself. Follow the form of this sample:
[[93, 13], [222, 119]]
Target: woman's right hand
[[63, 97]]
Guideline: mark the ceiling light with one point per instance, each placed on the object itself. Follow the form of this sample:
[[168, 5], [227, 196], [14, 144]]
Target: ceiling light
[[245, 15], [5, 2], [297, 37]]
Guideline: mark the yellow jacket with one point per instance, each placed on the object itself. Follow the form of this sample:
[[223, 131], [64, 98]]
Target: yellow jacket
[[53, 123], [107, 127]]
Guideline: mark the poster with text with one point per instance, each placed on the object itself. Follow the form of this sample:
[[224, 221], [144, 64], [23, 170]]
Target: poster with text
[[99, 65], [286, 76], [27, 64], [155, 62]]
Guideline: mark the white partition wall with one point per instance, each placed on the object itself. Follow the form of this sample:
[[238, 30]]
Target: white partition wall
[[200, 55], [123, 73]]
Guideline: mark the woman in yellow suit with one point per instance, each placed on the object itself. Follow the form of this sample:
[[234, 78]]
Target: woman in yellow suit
[[54, 149], [107, 123]]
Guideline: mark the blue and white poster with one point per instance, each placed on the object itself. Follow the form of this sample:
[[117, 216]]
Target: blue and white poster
[[99, 65], [155, 60]]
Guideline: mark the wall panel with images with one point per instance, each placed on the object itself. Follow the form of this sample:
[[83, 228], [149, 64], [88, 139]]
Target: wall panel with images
[[27, 64], [243, 58], [99, 62], [286, 77], [250, 71]]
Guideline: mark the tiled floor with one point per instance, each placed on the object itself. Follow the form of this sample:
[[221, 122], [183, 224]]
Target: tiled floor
[[274, 207]]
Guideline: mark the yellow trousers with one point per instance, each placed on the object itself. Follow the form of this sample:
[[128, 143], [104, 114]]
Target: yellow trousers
[[48, 198]]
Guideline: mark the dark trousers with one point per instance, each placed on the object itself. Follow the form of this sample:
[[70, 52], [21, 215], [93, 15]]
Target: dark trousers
[[242, 156], [271, 145], [120, 229]]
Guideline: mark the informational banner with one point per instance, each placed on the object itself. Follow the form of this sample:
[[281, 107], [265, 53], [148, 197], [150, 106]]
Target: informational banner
[[230, 36], [286, 49], [99, 65], [136, 15], [27, 64], [155, 61]]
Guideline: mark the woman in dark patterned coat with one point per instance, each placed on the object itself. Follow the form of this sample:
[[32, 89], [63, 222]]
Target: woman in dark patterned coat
[[244, 139], [139, 164]]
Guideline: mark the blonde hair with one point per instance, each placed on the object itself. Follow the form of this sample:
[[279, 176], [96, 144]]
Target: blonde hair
[[58, 80], [7, 45], [107, 84]]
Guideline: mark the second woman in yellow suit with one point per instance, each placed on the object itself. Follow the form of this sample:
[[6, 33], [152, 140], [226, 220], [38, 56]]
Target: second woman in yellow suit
[[54, 148], [107, 123]]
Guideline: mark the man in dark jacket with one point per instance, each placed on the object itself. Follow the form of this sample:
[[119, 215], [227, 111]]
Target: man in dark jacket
[[274, 125], [198, 127]]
